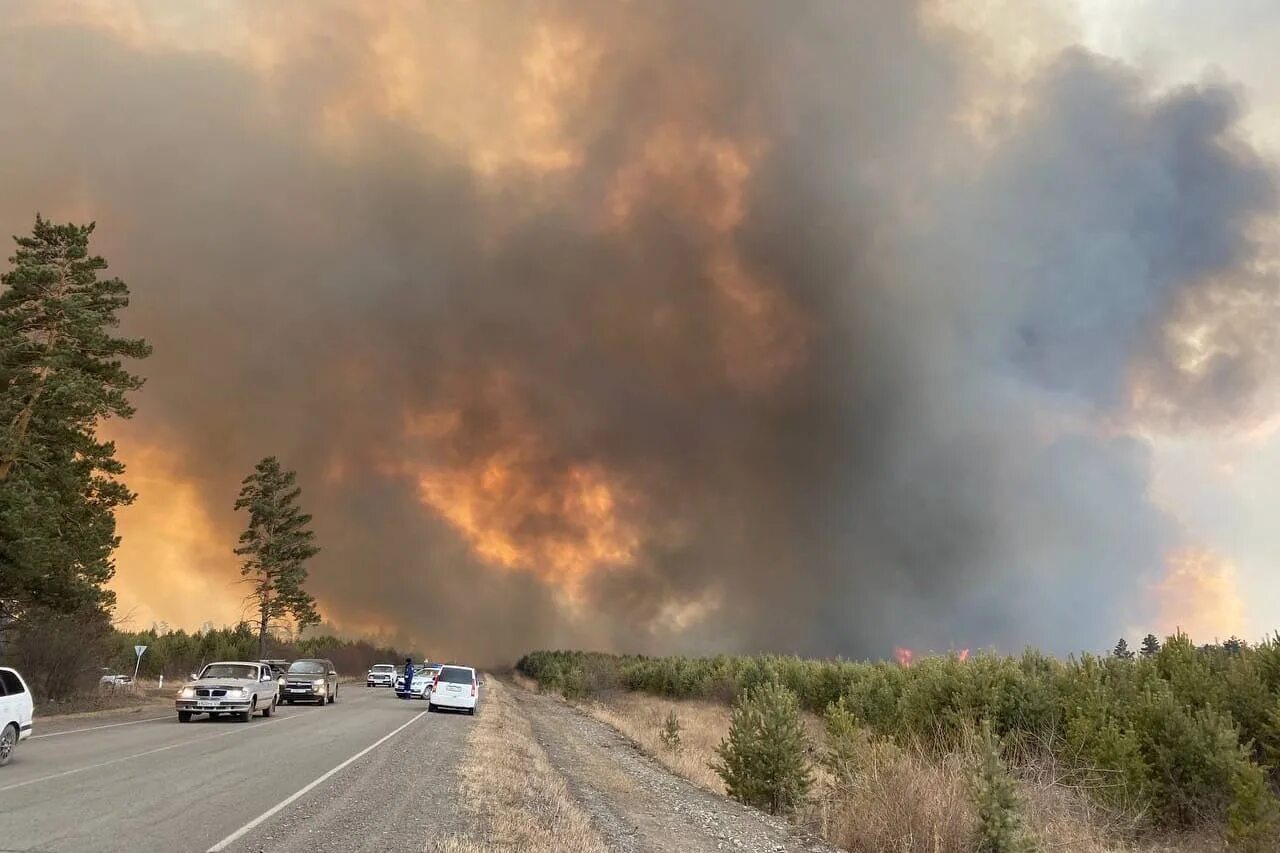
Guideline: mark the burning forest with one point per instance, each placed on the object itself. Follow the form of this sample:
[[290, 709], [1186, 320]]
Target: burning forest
[[662, 327]]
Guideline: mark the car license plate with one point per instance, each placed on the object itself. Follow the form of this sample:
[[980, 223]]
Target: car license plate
[[299, 689], [206, 704]]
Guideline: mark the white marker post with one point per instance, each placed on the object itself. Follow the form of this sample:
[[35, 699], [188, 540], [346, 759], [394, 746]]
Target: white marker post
[[137, 650]]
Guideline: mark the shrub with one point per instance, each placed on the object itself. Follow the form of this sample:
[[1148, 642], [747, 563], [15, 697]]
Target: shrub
[[763, 760], [999, 828], [1253, 817], [842, 756], [671, 732]]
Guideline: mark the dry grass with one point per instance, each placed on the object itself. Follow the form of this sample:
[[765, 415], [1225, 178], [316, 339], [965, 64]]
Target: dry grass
[[904, 800], [511, 790], [640, 717]]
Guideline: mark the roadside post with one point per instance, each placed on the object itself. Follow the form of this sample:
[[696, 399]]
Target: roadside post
[[137, 650]]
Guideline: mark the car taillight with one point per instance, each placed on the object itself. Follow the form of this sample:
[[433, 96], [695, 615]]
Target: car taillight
[[473, 688]]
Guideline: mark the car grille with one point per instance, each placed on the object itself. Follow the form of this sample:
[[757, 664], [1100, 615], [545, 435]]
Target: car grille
[[207, 692], [297, 683]]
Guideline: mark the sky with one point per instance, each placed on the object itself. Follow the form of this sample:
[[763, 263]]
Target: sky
[[692, 327]]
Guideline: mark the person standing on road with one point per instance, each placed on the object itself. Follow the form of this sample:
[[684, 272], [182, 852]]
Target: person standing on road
[[408, 678]]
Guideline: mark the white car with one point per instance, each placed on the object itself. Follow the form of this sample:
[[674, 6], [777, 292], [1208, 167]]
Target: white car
[[239, 688], [424, 681], [456, 687], [114, 680], [382, 675], [16, 710]]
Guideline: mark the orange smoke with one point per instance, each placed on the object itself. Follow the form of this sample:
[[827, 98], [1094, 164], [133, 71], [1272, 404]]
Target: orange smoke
[[1199, 596], [174, 563], [515, 503]]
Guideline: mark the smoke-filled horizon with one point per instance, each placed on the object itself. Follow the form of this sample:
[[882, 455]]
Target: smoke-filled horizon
[[655, 327]]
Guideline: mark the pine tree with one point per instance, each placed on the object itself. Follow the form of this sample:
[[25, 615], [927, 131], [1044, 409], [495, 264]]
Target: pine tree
[[275, 547], [61, 375], [1122, 650], [999, 828], [671, 732], [1150, 646], [763, 760]]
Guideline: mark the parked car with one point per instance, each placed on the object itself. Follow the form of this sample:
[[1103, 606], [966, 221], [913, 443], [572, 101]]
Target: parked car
[[311, 680], [114, 680], [455, 687], [239, 688], [16, 710], [278, 669], [424, 681], [401, 690], [382, 675]]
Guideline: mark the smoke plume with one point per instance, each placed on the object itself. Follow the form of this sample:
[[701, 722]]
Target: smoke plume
[[666, 326]]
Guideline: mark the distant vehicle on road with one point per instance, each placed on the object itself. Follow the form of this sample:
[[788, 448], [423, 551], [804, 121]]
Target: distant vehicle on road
[[455, 687], [114, 679], [382, 675], [424, 681], [16, 710], [239, 688], [311, 680]]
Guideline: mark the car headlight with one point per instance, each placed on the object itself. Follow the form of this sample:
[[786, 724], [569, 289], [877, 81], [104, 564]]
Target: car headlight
[[187, 693], [318, 683], [237, 693]]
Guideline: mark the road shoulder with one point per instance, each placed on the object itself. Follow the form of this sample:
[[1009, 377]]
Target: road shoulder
[[630, 802]]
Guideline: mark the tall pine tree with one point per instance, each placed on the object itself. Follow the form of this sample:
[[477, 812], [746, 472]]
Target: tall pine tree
[[61, 375], [1150, 646], [275, 547]]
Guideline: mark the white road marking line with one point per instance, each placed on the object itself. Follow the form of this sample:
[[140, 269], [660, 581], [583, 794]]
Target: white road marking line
[[248, 827], [178, 745], [95, 728]]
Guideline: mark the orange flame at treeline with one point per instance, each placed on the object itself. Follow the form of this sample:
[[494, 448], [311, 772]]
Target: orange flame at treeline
[[905, 656]]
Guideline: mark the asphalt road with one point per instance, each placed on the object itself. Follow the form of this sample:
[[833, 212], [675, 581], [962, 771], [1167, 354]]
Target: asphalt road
[[371, 772]]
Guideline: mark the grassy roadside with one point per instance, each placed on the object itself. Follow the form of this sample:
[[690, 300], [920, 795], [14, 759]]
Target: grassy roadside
[[511, 791], [905, 797]]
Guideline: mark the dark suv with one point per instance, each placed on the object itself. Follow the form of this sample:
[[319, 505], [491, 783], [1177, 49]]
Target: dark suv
[[311, 680]]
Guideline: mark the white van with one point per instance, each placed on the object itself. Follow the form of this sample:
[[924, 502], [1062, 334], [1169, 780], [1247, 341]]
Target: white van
[[455, 687], [16, 709]]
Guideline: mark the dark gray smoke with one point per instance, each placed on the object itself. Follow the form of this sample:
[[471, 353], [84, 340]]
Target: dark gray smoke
[[914, 429]]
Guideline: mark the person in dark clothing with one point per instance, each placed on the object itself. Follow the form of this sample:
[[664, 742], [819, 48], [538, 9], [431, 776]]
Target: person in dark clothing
[[408, 678]]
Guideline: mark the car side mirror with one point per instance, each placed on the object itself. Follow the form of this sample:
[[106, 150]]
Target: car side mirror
[[194, 677], [333, 672]]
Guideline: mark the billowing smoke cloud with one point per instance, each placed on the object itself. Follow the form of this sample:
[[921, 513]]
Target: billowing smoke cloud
[[695, 326]]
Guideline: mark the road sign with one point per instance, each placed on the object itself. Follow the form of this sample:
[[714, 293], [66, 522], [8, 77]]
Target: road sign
[[137, 650]]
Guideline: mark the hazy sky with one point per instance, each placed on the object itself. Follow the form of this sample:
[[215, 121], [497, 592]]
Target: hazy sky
[[823, 327]]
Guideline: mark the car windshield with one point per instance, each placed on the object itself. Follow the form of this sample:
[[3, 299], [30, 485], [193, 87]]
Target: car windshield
[[309, 667], [383, 667], [230, 670], [455, 675]]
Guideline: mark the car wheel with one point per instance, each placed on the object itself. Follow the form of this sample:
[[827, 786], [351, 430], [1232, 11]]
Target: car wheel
[[244, 716], [333, 697], [471, 712], [8, 743], [184, 716], [430, 706], [266, 712]]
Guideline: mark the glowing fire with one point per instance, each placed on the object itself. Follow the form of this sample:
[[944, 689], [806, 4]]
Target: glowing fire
[[903, 656]]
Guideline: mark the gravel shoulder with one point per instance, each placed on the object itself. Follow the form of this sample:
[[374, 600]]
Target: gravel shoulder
[[634, 803]]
